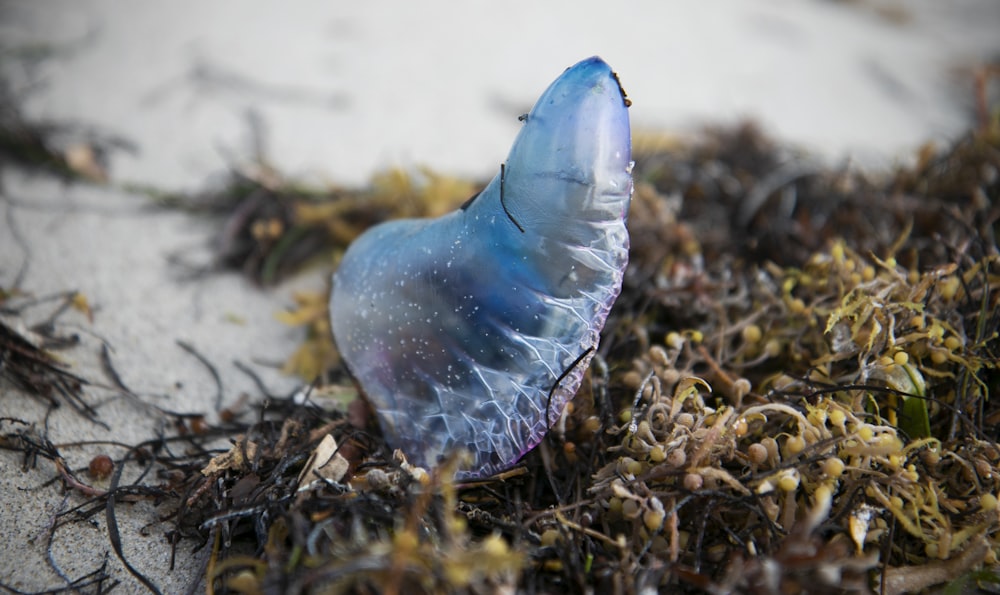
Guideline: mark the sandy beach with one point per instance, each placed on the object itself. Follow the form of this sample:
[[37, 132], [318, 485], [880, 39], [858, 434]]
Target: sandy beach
[[336, 94]]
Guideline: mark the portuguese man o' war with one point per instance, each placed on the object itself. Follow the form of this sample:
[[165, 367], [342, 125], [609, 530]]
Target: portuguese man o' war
[[474, 330]]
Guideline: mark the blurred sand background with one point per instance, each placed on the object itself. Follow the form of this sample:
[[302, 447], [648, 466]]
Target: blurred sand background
[[341, 90]]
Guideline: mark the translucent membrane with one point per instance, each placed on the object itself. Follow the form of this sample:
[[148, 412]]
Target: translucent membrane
[[473, 330]]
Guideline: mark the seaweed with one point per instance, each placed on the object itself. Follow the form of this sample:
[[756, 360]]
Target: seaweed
[[73, 153], [796, 392], [272, 228], [27, 362], [792, 394]]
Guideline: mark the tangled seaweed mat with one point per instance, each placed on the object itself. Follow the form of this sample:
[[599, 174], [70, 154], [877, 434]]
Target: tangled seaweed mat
[[791, 395]]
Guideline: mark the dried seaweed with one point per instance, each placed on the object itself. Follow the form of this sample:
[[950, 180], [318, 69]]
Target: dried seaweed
[[72, 153], [795, 393], [791, 395], [98, 581], [272, 228], [27, 363]]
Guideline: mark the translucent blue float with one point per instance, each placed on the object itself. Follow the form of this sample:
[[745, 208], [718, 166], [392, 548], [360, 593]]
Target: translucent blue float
[[473, 330]]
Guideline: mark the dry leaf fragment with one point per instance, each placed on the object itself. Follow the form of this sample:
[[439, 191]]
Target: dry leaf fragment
[[84, 160], [234, 458], [325, 463], [858, 526], [81, 304]]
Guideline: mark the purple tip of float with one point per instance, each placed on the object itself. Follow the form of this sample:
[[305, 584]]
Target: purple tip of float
[[472, 331]]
